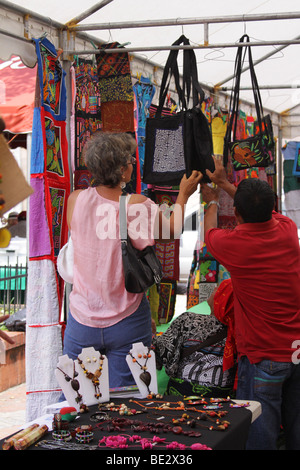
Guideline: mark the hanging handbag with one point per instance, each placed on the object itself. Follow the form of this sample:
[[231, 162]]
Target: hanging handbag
[[141, 268], [182, 142], [259, 149]]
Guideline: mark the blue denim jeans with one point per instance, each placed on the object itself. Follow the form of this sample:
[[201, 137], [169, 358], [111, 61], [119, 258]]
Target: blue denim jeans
[[113, 341], [276, 385]]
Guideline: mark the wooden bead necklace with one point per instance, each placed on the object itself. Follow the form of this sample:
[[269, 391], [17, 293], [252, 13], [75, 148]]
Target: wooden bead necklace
[[145, 376], [94, 376], [75, 386]]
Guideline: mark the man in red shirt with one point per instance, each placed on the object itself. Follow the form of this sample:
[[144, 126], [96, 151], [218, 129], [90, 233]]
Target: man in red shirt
[[262, 255]]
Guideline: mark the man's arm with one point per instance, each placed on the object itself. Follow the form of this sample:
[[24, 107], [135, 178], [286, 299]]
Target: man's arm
[[211, 197]]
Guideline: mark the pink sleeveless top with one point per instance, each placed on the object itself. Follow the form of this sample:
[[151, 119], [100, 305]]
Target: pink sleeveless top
[[99, 298]]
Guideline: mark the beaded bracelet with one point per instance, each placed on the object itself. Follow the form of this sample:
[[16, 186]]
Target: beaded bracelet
[[84, 436], [61, 435]]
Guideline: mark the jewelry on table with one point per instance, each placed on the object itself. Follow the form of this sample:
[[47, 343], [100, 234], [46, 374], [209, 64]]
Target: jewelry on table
[[63, 445], [75, 386], [84, 436], [124, 441], [163, 406], [61, 435], [122, 409], [94, 377], [99, 416]]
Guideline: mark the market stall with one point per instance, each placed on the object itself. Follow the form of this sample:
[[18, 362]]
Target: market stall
[[75, 98]]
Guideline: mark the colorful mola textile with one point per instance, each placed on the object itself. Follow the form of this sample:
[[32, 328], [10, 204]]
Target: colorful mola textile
[[51, 79], [112, 63]]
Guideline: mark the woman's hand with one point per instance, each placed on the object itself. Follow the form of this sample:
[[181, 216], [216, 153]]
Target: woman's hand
[[189, 185]]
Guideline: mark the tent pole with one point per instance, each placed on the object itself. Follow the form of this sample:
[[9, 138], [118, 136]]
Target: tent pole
[[88, 12], [187, 21], [286, 43], [264, 87]]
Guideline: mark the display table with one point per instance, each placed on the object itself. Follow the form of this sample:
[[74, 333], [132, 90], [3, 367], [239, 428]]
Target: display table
[[159, 425]]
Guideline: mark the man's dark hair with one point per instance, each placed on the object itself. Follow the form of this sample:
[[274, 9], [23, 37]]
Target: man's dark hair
[[254, 200]]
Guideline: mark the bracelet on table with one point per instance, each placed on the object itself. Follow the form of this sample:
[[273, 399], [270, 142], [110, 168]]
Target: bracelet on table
[[213, 202], [84, 436], [61, 435]]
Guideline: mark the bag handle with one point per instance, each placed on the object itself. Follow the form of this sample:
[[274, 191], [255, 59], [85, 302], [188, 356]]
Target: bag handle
[[123, 218], [235, 95], [190, 77]]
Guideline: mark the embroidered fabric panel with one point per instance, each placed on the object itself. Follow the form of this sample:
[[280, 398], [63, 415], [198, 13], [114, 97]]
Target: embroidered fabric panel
[[168, 253], [296, 168], [162, 303], [144, 92], [56, 147], [37, 163], [116, 88], [85, 126], [58, 204], [109, 64], [169, 151], [87, 107], [51, 79], [39, 239], [118, 116], [82, 179]]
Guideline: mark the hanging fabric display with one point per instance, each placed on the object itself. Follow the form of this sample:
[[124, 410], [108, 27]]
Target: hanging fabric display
[[115, 88], [51, 79], [48, 232], [181, 142], [167, 252], [258, 150], [296, 168], [144, 92], [87, 116]]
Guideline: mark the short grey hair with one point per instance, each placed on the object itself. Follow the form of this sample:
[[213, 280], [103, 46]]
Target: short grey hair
[[105, 153]]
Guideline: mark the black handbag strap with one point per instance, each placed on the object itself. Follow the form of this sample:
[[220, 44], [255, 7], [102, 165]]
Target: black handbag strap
[[208, 342], [189, 77]]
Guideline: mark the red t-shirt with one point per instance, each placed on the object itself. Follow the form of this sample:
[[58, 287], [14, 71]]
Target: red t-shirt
[[264, 262]]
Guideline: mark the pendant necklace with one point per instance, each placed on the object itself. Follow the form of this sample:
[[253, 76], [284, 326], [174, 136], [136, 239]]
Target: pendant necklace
[[75, 386], [145, 376], [94, 377]]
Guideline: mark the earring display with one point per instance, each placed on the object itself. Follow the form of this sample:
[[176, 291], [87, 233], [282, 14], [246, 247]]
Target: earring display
[[141, 361]]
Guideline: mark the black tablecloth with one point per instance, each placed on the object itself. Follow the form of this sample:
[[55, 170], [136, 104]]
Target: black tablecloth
[[233, 438]]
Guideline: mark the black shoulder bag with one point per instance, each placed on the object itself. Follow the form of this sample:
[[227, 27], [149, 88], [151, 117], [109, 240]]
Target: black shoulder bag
[[142, 268], [180, 142]]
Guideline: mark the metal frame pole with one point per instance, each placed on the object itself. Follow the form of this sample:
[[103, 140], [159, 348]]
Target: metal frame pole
[[197, 46], [187, 21]]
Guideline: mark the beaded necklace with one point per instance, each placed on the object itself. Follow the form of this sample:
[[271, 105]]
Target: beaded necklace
[[145, 376], [75, 386], [94, 376]]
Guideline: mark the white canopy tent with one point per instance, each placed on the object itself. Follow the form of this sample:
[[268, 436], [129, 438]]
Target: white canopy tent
[[147, 30]]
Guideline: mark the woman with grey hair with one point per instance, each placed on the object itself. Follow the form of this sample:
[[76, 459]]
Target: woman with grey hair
[[102, 313]]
